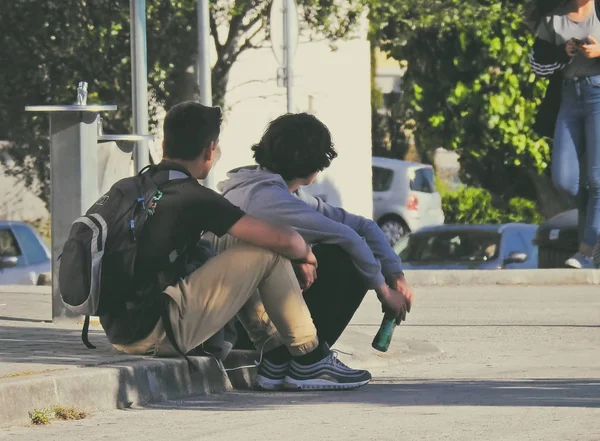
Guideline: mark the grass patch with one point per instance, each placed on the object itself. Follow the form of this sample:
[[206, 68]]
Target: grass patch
[[25, 373], [44, 416]]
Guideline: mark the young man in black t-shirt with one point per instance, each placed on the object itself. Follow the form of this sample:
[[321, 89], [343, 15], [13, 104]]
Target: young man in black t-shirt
[[202, 302]]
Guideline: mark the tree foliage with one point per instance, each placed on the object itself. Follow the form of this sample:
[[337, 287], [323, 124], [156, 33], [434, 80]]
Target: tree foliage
[[48, 46], [470, 86]]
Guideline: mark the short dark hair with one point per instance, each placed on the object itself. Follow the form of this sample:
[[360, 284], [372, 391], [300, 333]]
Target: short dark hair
[[295, 146], [189, 128]]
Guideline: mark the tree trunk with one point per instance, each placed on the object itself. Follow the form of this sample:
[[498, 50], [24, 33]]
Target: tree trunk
[[220, 78]]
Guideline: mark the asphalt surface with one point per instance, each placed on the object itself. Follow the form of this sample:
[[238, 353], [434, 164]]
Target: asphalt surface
[[472, 363]]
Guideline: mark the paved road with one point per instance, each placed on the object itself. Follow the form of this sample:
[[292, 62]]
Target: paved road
[[485, 363], [30, 343]]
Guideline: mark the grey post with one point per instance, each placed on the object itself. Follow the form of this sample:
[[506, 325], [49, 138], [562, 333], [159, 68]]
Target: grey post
[[204, 68], [288, 15], [74, 177], [139, 80], [80, 169]]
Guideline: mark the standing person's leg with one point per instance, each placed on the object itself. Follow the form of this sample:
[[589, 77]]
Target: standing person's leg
[[592, 162], [336, 294], [569, 140]]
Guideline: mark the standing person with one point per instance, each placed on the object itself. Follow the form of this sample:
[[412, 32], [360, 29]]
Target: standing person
[[353, 253], [567, 50]]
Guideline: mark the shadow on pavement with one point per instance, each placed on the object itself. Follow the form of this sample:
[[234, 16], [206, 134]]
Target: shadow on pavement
[[46, 344], [583, 393]]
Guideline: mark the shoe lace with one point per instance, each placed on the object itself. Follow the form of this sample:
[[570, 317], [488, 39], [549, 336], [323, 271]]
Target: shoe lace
[[333, 357]]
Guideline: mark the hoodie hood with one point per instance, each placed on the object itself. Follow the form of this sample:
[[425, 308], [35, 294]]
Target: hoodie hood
[[246, 181], [265, 195]]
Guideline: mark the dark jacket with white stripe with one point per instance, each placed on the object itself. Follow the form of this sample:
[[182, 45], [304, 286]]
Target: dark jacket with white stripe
[[548, 60]]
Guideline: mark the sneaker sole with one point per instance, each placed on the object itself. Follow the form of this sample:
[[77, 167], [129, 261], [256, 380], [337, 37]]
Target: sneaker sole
[[264, 383], [320, 384], [573, 265]]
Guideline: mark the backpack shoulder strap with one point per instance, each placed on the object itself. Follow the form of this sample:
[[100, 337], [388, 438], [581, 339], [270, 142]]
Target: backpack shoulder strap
[[161, 177]]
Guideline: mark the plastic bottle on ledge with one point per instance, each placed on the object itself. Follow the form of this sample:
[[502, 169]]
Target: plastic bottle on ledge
[[383, 338], [82, 93]]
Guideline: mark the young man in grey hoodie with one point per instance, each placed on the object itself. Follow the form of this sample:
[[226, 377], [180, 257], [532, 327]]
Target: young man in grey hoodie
[[353, 253]]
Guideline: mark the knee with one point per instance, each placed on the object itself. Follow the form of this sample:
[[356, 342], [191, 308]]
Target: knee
[[329, 255], [566, 182]]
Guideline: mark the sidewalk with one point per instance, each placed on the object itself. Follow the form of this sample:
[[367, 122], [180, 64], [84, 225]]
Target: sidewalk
[[42, 364]]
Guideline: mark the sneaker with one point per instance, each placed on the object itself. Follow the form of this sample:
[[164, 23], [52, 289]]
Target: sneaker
[[270, 376], [579, 261], [327, 374], [596, 255]]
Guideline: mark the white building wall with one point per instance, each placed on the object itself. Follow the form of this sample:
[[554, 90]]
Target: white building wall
[[334, 86]]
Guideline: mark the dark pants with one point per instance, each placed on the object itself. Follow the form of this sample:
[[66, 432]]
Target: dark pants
[[332, 299]]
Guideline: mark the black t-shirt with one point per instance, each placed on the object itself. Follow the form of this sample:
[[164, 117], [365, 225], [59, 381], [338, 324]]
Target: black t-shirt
[[185, 211]]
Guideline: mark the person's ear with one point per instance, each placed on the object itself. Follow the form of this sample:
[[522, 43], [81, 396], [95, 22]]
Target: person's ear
[[207, 152], [211, 150]]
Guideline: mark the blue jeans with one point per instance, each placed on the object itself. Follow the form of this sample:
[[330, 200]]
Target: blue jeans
[[576, 152]]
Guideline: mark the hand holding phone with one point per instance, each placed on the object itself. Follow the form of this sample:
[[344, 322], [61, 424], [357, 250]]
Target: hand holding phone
[[581, 42]]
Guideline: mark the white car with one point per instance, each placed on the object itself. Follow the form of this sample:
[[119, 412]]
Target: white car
[[405, 197], [23, 254]]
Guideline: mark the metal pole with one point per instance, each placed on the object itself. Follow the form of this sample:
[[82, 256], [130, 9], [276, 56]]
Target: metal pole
[[139, 80], [287, 39], [204, 68]]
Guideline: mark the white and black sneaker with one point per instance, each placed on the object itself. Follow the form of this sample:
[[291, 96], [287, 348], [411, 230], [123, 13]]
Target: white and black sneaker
[[270, 376], [326, 374], [579, 261]]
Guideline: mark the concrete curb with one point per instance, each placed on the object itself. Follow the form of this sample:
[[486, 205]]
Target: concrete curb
[[122, 385], [536, 277]]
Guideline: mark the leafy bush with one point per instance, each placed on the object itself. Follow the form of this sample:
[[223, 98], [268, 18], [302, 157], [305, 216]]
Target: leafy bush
[[471, 205]]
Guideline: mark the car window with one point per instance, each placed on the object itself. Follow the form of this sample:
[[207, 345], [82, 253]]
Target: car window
[[9, 247], [514, 243], [382, 179], [423, 180], [451, 246], [33, 249]]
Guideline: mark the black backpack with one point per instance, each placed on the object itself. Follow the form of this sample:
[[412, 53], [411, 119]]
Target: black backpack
[[97, 263]]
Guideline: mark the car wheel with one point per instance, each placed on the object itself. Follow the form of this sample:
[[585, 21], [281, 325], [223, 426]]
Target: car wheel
[[393, 229]]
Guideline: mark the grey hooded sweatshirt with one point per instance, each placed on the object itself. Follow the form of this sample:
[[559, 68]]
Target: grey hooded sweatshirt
[[265, 195]]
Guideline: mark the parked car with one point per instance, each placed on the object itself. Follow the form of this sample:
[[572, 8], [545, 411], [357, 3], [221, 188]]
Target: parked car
[[23, 254], [405, 197], [507, 246], [558, 239]]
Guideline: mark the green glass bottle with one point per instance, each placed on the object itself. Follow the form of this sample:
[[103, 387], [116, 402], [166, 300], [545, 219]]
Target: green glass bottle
[[383, 338]]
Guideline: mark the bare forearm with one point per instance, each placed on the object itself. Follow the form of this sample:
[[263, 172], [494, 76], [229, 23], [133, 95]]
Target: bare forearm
[[281, 240]]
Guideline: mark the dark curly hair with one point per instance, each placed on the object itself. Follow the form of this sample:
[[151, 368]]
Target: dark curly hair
[[295, 146]]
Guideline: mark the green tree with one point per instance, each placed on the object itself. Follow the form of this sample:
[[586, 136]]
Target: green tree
[[471, 88], [47, 47]]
